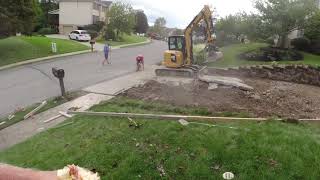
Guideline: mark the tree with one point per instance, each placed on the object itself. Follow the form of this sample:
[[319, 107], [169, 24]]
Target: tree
[[159, 26], [177, 32], [46, 7], [312, 27], [17, 16], [141, 22], [282, 16], [121, 19]]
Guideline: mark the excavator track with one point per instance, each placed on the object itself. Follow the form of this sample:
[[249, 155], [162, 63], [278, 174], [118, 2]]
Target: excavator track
[[181, 72], [188, 72]]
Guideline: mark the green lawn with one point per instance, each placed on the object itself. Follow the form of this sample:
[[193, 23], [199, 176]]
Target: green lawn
[[126, 39], [230, 56], [17, 49], [269, 150]]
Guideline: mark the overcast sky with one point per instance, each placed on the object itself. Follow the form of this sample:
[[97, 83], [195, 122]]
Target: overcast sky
[[179, 13]]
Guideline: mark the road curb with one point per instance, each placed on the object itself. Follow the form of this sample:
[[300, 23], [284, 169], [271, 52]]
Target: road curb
[[42, 59]]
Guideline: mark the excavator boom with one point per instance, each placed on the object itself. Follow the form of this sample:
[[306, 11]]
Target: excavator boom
[[206, 16]]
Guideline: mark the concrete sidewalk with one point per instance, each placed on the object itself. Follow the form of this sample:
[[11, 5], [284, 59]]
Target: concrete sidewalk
[[118, 85], [25, 129]]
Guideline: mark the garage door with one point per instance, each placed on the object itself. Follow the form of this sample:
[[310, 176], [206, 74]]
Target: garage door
[[67, 29]]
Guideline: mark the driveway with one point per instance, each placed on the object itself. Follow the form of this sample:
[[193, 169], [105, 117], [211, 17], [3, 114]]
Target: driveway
[[29, 84]]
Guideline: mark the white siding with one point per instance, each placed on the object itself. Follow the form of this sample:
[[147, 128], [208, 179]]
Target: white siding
[[72, 13]]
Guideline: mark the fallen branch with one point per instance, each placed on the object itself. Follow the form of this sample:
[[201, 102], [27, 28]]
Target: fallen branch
[[31, 113], [53, 118]]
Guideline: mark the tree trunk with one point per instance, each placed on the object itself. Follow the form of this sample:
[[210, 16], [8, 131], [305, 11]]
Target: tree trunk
[[283, 41]]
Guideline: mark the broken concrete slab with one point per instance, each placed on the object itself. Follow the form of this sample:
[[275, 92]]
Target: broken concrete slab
[[226, 81], [23, 130]]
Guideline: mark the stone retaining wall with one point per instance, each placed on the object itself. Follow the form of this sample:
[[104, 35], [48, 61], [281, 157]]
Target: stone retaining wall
[[292, 73]]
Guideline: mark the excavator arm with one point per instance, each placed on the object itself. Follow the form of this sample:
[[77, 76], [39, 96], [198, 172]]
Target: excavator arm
[[205, 15]]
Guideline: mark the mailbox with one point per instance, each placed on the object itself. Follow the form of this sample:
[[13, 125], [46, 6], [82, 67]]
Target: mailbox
[[58, 73], [92, 42]]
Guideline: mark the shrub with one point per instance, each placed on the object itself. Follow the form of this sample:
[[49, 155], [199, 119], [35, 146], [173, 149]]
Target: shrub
[[110, 34], [97, 26], [315, 47], [44, 31], [93, 34], [302, 44]]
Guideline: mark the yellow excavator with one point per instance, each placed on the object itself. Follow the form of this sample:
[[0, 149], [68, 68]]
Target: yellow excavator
[[178, 59]]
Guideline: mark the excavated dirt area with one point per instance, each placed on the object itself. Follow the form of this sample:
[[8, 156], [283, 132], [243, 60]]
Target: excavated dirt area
[[268, 99]]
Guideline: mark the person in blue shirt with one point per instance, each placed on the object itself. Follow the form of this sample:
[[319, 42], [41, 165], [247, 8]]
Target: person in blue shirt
[[106, 51]]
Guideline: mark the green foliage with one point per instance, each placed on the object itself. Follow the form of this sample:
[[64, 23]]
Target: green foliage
[[94, 29], [17, 16], [242, 24], [177, 31], [311, 28], [121, 18], [110, 34], [270, 41], [141, 22], [159, 26], [281, 16], [302, 44], [45, 20], [231, 54], [44, 31]]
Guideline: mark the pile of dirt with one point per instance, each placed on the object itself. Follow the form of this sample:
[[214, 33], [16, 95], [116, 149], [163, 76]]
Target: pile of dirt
[[268, 99]]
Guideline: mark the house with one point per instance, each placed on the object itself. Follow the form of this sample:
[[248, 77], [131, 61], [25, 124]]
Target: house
[[298, 33], [74, 14]]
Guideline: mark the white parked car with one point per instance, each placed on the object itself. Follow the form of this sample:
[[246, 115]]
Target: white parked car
[[80, 35]]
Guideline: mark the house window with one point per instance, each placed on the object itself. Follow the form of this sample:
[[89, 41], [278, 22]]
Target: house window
[[95, 19]]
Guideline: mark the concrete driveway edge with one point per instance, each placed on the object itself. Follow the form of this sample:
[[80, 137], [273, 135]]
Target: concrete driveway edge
[[42, 59]]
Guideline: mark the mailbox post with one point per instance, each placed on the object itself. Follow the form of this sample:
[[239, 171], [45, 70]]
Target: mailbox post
[[59, 73]]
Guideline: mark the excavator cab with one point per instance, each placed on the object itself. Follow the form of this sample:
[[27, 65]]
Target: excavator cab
[[174, 56]]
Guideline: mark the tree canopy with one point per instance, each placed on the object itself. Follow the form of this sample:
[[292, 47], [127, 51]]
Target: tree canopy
[[17, 16], [141, 22], [160, 26], [121, 18], [312, 27], [282, 16]]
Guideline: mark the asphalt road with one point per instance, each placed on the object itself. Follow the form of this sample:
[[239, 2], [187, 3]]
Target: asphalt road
[[29, 84]]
